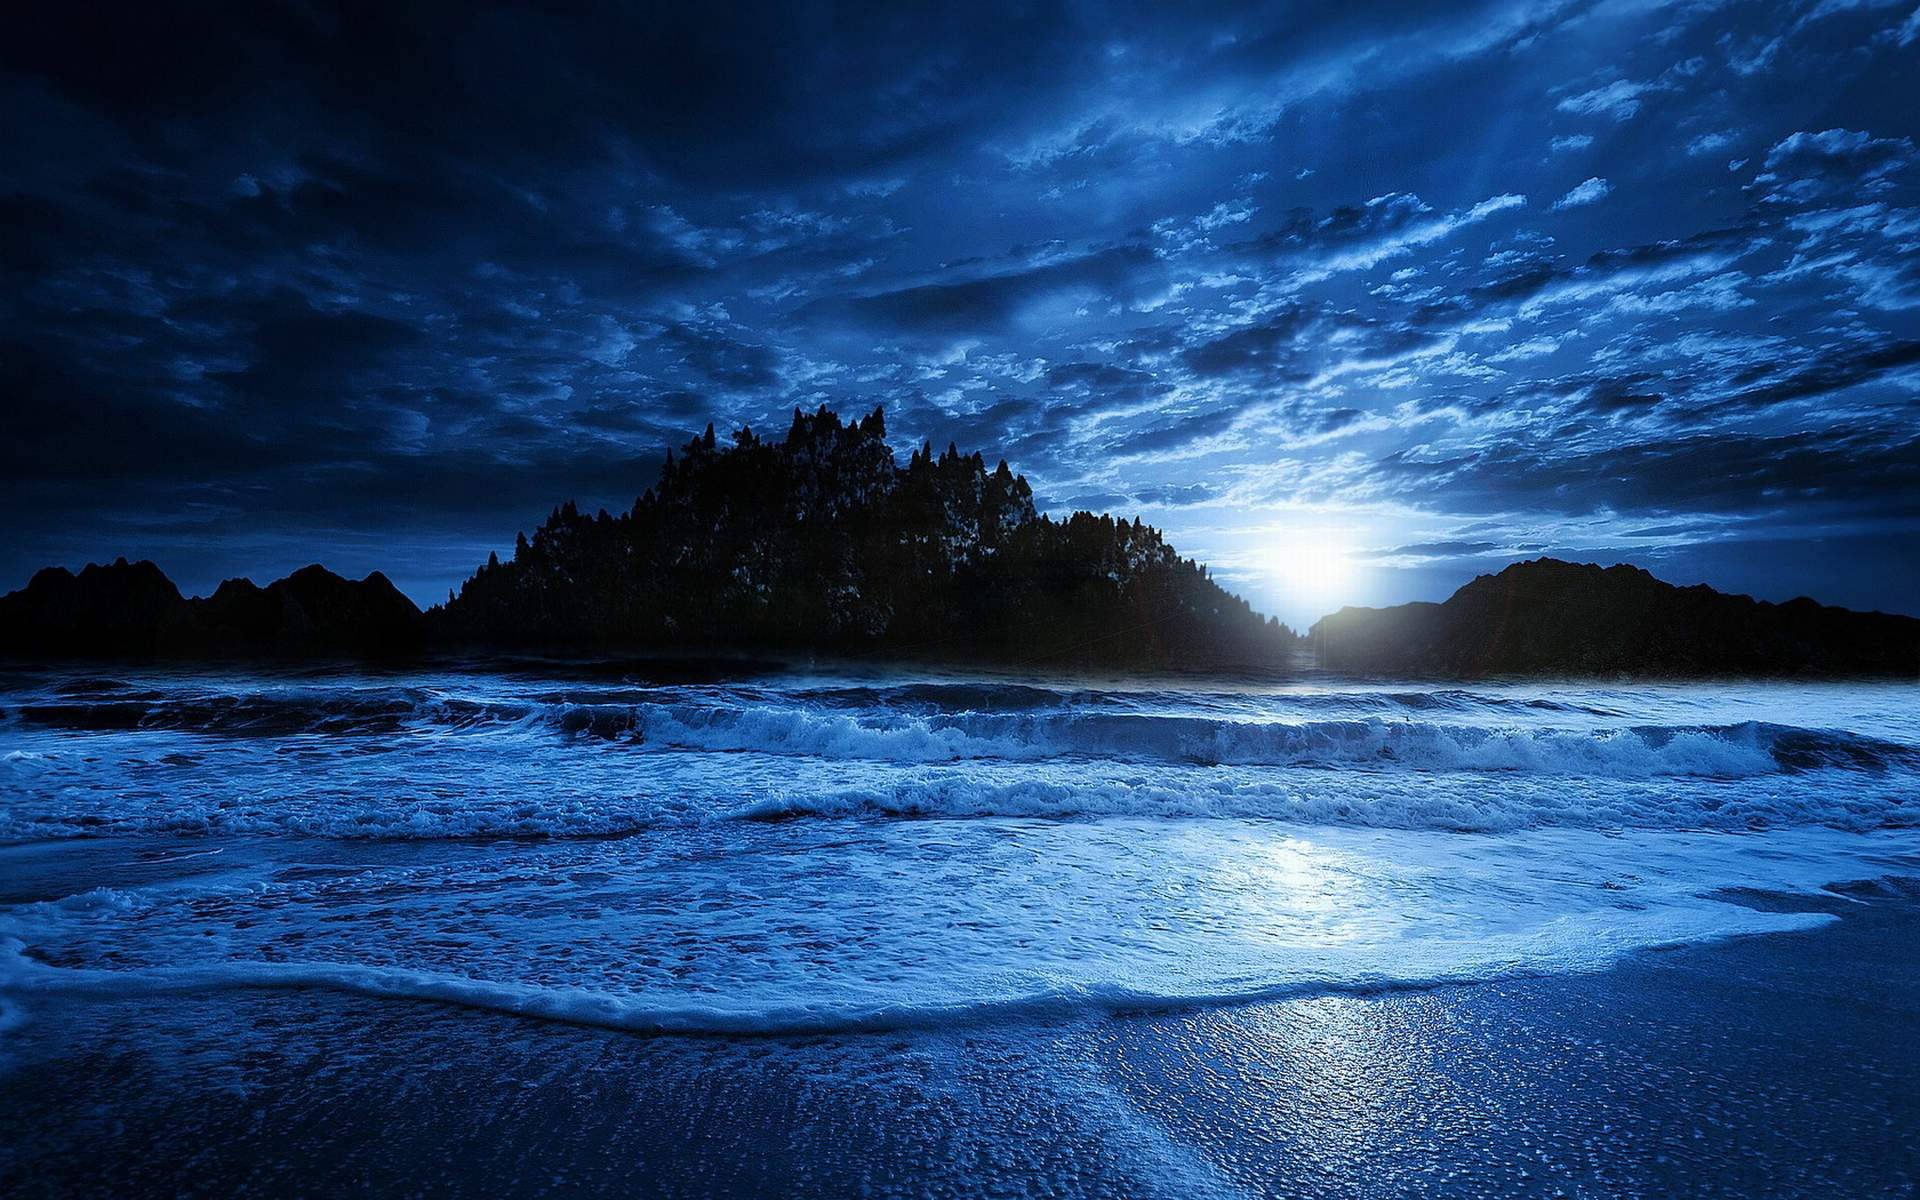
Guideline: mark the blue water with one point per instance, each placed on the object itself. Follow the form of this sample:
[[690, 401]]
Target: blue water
[[811, 851]]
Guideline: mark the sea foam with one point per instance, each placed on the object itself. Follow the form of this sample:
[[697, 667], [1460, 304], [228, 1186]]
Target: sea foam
[[440, 756], [808, 935]]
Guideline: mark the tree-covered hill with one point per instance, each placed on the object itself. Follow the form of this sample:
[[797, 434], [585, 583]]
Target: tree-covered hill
[[824, 541]]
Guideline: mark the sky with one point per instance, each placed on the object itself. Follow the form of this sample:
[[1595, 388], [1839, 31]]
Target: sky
[[1355, 301]]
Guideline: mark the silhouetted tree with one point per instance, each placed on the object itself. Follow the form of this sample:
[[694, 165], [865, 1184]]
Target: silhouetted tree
[[822, 540]]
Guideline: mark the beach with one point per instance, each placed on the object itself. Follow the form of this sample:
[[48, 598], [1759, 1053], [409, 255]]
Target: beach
[[868, 932], [1776, 1065]]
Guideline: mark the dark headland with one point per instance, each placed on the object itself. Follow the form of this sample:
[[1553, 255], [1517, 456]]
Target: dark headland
[[1553, 618], [823, 542]]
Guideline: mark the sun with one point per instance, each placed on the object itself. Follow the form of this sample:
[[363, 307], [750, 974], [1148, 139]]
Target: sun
[[1313, 570]]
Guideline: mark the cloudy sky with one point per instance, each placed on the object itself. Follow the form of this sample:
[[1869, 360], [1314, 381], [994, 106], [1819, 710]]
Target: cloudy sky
[[1353, 300]]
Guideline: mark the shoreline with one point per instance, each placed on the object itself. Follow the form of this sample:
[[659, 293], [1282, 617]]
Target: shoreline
[[1766, 1064]]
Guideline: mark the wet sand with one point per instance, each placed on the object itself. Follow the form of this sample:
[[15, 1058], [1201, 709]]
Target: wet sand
[[1781, 1065]]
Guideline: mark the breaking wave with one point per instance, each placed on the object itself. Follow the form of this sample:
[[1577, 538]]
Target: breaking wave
[[1018, 724], [440, 756], [1713, 751]]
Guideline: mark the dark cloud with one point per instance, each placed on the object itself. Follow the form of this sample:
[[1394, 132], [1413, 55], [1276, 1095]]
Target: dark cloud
[[1172, 435], [1804, 166], [1746, 474], [731, 94], [1107, 381], [722, 358], [1827, 371], [1267, 345], [1455, 549], [990, 302], [1176, 496], [1347, 224]]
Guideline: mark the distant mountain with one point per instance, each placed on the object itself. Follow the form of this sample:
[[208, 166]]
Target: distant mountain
[[1553, 618], [133, 608], [820, 541], [823, 541]]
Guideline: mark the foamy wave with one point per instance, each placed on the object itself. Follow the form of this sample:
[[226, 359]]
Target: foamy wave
[[1386, 803], [1404, 800], [949, 723], [881, 1011], [1637, 752], [270, 714], [104, 706], [449, 756]]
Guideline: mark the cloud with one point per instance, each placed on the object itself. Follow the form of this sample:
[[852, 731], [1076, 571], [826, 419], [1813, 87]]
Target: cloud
[[1232, 81], [1710, 143], [1265, 346], [1300, 343], [1430, 550], [973, 302], [1647, 269], [718, 356], [1168, 435], [1385, 227], [1752, 473], [1619, 100], [1588, 192], [1823, 372], [1110, 382], [1805, 167], [1840, 149]]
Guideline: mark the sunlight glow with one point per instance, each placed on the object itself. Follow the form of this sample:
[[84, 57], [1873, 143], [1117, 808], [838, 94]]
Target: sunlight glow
[[1314, 569]]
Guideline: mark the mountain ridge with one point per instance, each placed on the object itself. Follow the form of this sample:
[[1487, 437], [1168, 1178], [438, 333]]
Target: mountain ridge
[[1551, 617], [132, 608]]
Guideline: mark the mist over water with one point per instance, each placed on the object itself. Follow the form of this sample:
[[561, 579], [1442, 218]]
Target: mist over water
[[866, 848]]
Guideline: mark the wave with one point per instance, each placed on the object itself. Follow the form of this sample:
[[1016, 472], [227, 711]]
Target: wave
[[516, 807], [954, 697], [955, 723], [1411, 805], [1642, 751], [106, 705], [658, 1015]]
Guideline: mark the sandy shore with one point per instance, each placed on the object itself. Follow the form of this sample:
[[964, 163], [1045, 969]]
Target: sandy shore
[[1783, 1065]]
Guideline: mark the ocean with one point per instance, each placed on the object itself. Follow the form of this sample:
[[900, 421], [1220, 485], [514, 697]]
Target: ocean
[[876, 860]]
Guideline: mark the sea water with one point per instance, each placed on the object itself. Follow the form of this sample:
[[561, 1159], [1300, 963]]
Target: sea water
[[786, 850]]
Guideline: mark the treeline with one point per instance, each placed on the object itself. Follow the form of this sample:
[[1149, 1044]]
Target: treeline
[[823, 541]]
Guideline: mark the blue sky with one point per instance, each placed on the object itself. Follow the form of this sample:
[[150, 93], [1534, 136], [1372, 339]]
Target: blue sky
[[1354, 301]]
